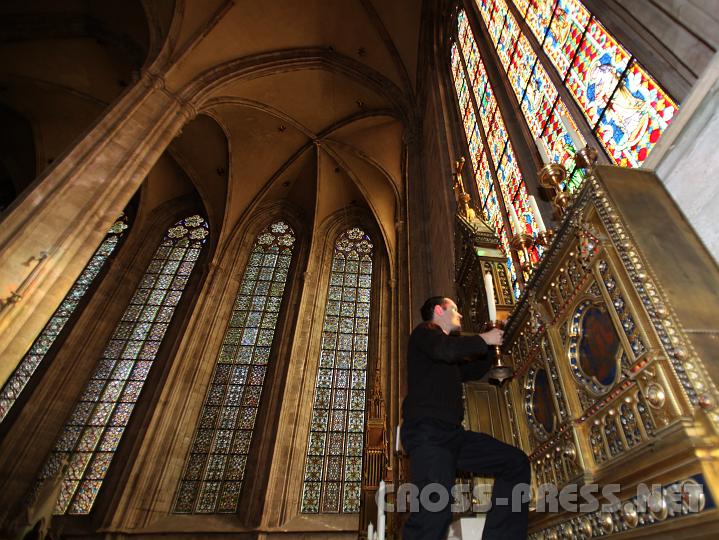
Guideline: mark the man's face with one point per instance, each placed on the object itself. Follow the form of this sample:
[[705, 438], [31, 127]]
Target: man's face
[[447, 317]]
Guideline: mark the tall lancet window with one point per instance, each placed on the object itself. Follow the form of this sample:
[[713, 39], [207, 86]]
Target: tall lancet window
[[48, 336], [333, 467], [215, 466], [97, 423], [499, 180]]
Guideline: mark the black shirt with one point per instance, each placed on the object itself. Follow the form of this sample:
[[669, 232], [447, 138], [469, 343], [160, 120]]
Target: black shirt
[[437, 365]]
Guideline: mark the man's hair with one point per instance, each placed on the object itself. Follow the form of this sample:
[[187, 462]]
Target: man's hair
[[427, 309]]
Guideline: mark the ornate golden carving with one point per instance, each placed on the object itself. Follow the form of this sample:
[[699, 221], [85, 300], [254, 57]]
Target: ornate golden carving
[[631, 517], [660, 395], [655, 395]]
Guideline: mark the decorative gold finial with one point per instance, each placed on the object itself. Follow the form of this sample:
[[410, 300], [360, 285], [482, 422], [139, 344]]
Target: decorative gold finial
[[463, 198]]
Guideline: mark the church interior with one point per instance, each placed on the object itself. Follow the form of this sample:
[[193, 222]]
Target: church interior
[[219, 220]]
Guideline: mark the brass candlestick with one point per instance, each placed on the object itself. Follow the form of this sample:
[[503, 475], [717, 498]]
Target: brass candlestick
[[544, 238], [551, 176], [499, 371], [523, 242], [586, 158]]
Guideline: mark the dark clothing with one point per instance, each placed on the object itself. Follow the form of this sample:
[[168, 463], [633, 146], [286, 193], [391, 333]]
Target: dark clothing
[[437, 365], [438, 445], [437, 449]]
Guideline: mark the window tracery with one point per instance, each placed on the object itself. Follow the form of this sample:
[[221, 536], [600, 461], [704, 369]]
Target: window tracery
[[17, 382]]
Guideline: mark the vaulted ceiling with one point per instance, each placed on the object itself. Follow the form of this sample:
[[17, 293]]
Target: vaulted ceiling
[[301, 101], [313, 98]]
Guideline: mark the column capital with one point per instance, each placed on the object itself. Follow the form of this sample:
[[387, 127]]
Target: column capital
[[152, 80], [188, 109]]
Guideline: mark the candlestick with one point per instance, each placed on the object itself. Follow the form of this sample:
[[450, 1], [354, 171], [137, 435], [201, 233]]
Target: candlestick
[[544, 238], [569, 128], [489, 290], [522, 242], [552, 176], [586, 158], [499, 371], [537, 215], [542, 151], [458, 166], [514, 219]]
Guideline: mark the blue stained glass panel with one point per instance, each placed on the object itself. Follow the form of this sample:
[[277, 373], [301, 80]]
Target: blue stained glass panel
[[596, 70]]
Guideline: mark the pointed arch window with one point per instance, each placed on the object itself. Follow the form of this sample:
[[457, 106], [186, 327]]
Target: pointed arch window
[[95, 427], [18, 380], [333, 467], [215, 467]]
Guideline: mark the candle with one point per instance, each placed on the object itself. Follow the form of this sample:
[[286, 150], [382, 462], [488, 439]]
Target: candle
[[514, 219], [489, 290], [370, 531], [397, 444], [542, 150], [537, 215], [380, 511], [569, 128]]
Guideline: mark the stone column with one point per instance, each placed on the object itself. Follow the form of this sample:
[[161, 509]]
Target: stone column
[[69, 209], [686, 161]]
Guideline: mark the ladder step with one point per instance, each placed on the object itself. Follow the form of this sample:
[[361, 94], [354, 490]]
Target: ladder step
[[467, 528]]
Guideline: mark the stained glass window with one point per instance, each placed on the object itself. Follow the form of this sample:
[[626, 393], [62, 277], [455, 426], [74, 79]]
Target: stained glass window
[[30, 362], [538, 97], [333, 469], [215, 466], [97, 423], [623, 105], [498, 161]]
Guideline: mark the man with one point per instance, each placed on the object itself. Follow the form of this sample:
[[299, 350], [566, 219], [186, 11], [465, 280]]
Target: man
[[432, 432]]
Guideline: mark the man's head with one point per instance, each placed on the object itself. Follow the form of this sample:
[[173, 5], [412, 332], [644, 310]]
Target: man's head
[[442, 312]]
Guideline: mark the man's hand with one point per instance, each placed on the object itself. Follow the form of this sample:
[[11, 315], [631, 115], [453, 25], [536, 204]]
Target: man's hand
[[493, 337]]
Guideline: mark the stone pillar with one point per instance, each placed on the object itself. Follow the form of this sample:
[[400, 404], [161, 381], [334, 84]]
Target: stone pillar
[[686, 160], [68, 211]]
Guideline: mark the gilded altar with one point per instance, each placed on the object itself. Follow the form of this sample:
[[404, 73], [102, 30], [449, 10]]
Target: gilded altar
[[614, 346]]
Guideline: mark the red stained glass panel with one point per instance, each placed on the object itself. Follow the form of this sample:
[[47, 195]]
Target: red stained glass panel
[[638, 114]]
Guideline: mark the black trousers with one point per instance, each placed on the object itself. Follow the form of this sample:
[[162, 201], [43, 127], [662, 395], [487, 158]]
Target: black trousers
[[436, 450]]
